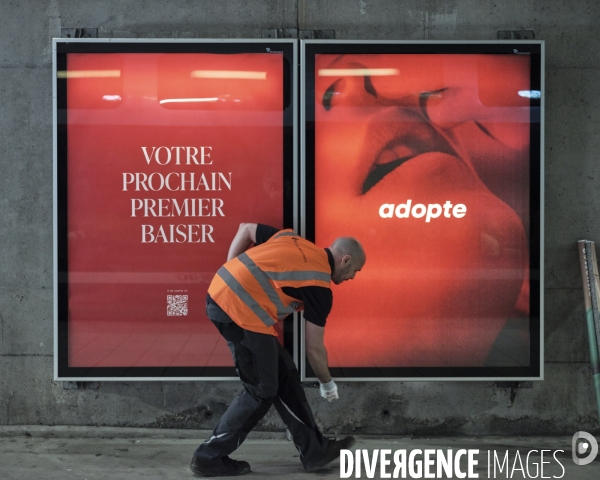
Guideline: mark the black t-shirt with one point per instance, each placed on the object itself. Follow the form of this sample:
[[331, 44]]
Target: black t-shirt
[[317, 300]]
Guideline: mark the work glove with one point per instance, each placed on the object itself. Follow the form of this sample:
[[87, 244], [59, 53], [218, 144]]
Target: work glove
[[329, 391]]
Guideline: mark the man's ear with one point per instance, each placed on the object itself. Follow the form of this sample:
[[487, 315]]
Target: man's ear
[[346, 259]]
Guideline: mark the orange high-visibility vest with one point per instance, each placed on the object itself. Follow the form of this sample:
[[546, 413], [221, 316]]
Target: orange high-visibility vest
[[249, 287]]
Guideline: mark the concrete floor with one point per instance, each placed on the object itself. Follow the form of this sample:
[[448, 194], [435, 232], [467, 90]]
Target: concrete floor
[[88, 453]]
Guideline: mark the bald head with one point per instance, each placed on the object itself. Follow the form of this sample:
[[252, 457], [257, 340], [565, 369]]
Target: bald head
[[348, 256]]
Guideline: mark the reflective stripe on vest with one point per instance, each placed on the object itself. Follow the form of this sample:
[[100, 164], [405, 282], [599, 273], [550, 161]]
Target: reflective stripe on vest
[[263, 279], [244, 296], [303, 275]]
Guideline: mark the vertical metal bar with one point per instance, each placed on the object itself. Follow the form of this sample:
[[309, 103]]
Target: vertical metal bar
[[295, 187], [300, 317], [55, 203], [589, 273], [592, 262]]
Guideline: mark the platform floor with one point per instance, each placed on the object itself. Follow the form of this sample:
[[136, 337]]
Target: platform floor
[[86, 453]]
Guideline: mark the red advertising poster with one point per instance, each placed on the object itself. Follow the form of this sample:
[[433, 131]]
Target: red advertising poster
[[166, 153], [426, 159]]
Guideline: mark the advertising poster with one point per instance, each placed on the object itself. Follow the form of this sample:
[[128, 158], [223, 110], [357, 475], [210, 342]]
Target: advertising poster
[[165, 151], [431, 158]]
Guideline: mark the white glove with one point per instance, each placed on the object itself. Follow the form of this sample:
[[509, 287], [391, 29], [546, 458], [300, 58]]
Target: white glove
[[329, 391]]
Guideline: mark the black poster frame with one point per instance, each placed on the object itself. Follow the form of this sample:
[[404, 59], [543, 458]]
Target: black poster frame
[[309, 49], [61, 48]]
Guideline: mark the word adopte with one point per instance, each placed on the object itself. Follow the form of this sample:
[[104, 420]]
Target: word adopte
[[419, 210]]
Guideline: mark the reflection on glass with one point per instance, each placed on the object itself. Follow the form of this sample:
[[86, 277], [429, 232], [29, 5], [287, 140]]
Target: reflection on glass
[[184, 100], [88, 73], [231, 74], [429, 168], [156, 192]]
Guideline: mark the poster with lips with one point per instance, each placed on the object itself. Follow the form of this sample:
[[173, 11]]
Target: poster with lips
[[164, 154], [431, 160]]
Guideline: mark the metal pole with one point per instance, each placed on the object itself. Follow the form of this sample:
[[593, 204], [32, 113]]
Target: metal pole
[[591, 294]]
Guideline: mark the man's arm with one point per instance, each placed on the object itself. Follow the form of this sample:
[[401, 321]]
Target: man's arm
[[316, 351], [245, 236]]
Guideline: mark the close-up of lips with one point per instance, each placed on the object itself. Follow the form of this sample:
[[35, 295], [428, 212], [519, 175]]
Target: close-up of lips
[[436, 293], [398, 135]]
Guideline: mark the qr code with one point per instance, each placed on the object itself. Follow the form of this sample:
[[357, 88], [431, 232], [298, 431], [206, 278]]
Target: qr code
[[177, 305]]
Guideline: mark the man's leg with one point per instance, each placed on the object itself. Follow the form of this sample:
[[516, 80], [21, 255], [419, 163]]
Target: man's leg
[[255, 358], [294, 410]]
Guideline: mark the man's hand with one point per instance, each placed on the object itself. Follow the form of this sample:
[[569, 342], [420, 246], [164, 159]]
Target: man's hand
[[329, 391]]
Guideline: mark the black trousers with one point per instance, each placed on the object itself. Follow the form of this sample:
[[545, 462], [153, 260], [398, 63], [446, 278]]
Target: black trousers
[[269, 377]]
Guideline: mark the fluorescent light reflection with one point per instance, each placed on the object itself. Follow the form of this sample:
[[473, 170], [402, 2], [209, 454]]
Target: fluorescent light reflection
[[88, 73], [530, 93], [358, 72], [188, 100], [232, 74], [112, 98]]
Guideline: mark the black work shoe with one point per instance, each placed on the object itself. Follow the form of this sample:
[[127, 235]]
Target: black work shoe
[[221, 467], [331, 454]]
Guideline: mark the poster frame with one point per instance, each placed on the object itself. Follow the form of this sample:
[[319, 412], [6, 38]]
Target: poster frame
[[308, 51], [61, 46]]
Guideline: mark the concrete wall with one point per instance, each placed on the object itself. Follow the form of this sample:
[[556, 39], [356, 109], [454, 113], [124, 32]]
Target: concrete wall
[[563, 403]]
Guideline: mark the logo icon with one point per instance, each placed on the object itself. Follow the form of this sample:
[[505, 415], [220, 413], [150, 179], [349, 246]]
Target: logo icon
[[585, 448]]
